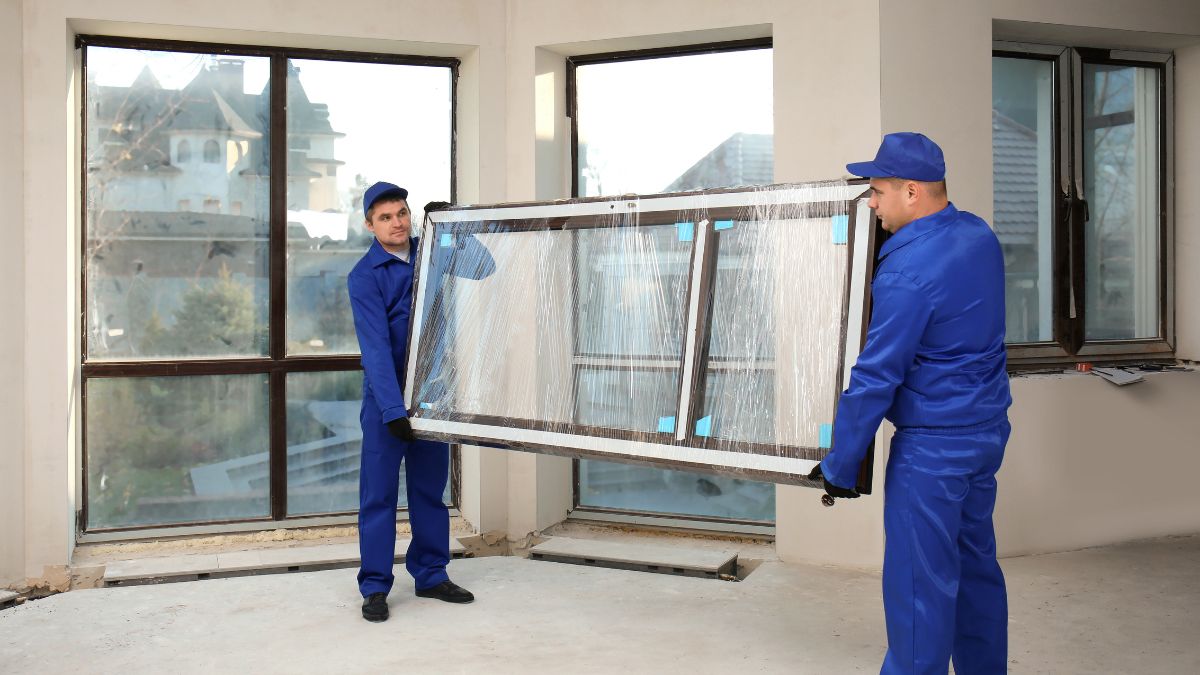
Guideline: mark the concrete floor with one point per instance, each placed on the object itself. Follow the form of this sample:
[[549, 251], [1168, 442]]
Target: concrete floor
[[1126, 609]]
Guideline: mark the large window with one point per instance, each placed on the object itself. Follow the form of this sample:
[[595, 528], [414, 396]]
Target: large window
[[223, 213], [1081, 157], [667, 371], [653, 121]]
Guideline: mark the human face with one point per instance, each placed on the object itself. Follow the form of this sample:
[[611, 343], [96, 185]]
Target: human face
[[893, 202], [391, 223]]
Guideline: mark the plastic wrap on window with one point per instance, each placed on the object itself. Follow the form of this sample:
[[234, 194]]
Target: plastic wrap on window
[[705, 331]]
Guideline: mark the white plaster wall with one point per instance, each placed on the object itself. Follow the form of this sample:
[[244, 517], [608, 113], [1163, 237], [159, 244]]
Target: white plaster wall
[[12, 303], [1187, 203], [844, 73], [1082, 459], [1090, 463], [826, 64]]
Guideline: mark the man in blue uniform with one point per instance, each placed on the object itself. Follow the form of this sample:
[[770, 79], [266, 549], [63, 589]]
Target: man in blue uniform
[[933, 364], [381, 288]]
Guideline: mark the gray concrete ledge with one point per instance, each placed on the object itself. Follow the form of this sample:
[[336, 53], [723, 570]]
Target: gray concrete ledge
[[7, 598], [670, 558], [237, 563]]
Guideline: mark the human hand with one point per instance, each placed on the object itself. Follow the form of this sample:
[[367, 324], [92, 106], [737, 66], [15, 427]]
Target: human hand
[[401, 428], [831, 490]]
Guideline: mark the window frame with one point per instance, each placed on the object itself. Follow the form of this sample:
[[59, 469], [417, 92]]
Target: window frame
[[574, 62], [572, 103], [1069, 344], [277, 363], [856, 305]]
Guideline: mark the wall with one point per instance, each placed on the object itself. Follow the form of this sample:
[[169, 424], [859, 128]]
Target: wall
[[12, 303], [1091, 463], [825, 110], [1069, 477], [844, 73], [1187, 204]]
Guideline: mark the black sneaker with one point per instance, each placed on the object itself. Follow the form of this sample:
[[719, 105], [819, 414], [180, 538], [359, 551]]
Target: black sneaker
[[375, 607], [447, 591]]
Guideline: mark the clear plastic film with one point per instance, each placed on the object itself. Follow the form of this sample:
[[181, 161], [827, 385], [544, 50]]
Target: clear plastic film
[[702, 331]]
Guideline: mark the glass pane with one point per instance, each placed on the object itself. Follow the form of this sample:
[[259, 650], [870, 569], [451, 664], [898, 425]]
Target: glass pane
[[324, 439], [349, 126], [768, 379], [626, 399], [740, 386], [177, 204], [631, 310], [324, 443], [1121, 142], [510, 344], [1023, 138], [692, 147], [639, 488], [611, 398], [652, 125], [164, 450]]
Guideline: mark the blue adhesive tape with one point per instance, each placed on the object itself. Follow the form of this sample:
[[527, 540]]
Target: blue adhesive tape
[[447, 240], [687, 231], [427, 406], [841, 226], [704, 426], [723, 225], [826, 435], [666, 425]]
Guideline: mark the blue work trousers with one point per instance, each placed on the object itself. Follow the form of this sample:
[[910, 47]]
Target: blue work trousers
[[943, 591], [426, 467]]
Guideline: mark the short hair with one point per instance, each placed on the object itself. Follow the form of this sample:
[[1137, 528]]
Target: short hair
[[935, 188], [385, 199]]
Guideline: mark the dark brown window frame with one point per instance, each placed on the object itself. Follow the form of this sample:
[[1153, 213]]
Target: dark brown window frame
[[572, 112], [573, 63], [277, 364], [1069, 344]]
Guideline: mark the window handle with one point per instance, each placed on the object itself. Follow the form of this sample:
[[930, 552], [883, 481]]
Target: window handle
[[1079, 214]]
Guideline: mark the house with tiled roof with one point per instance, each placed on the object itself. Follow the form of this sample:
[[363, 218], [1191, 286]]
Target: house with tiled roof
[[741, 159], [202, 148]]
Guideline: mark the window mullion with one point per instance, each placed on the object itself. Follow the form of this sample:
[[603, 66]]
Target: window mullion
[[696, 329], [277, 246], [278, 206]]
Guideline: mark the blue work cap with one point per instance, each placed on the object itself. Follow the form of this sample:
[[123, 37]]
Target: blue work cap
[[381, 189], [905, 154]]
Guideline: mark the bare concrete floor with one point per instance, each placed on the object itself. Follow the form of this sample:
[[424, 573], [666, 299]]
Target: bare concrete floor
[[1126, 609]]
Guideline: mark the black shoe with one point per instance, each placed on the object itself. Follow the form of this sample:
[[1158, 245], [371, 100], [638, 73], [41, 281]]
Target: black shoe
[[447, 591], [375, 607]]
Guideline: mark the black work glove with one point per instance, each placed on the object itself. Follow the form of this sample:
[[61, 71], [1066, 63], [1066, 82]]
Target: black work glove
[[436, 206], [831, 489], [401, 428]]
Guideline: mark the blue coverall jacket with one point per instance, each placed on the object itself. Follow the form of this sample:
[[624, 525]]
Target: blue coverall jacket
[[934, 364]]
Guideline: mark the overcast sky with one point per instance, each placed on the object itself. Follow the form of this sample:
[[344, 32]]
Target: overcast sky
[[396, 118], [644, 122]]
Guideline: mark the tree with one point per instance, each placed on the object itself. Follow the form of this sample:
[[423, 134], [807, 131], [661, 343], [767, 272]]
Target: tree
[[214, 319]]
